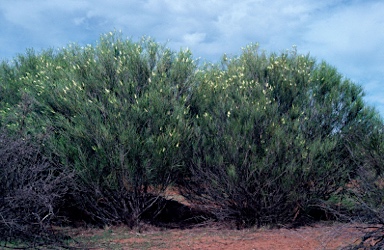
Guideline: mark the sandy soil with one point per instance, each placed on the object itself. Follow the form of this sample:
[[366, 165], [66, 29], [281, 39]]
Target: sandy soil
[[319, 236]]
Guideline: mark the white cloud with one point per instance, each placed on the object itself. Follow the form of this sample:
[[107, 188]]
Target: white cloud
[[28, 14], [194, 38], [357, 28], [350, 37]]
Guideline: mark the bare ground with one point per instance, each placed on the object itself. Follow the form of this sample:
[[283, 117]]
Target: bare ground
[[216, 236], [320, 236]]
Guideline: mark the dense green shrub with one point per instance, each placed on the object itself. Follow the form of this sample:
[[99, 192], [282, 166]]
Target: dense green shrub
[[261, 139], [269, 136], [117, 114]]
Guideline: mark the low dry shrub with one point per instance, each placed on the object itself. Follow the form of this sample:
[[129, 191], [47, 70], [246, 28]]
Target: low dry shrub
[[31, 191]]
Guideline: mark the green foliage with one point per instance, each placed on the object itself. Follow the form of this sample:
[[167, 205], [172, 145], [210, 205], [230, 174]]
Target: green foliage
[[262, 138], [118, 115], [116, 111], [269, 136]]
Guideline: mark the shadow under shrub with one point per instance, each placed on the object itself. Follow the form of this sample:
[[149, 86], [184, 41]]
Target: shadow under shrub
[[32, 188]]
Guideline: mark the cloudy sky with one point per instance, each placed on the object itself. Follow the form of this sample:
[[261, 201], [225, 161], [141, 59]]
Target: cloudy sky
[[348, 34]]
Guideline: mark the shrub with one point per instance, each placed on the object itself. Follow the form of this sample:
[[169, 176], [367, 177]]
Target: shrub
[[31, 192], [261, 139], [269, 136], [117, 111], [366, 189]]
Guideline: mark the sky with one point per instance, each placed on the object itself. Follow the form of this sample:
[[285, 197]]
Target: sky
[[347, 34]]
